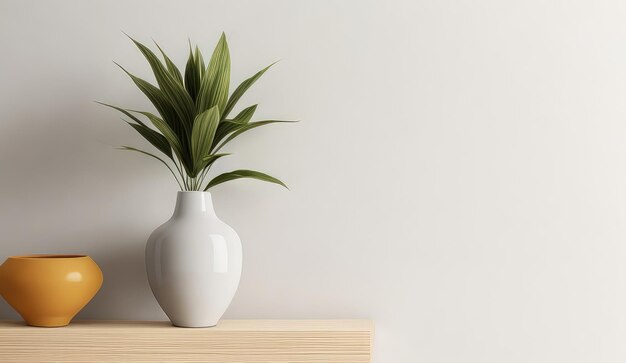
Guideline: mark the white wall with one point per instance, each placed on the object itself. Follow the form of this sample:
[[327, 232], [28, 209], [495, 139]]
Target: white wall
[[459, 176]]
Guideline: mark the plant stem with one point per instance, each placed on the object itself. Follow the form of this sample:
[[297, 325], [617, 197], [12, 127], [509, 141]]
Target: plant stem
[[204, 174], [182, 176]]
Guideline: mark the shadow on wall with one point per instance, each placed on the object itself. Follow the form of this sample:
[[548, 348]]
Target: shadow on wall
[[125, 285], [63, 191]]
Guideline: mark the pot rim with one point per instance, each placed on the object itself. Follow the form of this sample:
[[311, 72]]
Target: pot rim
[[48, 256]]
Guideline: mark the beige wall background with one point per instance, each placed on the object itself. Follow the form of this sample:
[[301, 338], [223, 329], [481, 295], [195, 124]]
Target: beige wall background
[[459, 175]]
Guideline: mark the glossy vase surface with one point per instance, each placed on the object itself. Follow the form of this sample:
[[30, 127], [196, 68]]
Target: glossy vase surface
[[194, 262], [49, 290]]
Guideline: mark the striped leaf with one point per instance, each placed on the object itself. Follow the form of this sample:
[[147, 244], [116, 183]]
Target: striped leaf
[[216, 79], [175, 91], [248, 127], [171, 67], [168, 133], [125, 112], [199, 62], [157, 140], [192, 76], [238, 174], [204, 128], [209, 160], [241, 89], [227, 126], [158, 99], [245, 115]]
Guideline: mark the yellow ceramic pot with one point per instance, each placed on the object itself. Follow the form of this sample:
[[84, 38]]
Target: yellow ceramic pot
[[49, 290]]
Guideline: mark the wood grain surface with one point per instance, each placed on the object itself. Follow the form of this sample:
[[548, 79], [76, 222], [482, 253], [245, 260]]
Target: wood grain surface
[[240, 341]]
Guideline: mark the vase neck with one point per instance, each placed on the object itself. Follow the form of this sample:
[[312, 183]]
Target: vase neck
[[193, 203]]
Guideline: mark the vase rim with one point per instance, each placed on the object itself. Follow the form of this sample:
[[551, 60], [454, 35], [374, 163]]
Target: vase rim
[[193, 191], [49, 256]]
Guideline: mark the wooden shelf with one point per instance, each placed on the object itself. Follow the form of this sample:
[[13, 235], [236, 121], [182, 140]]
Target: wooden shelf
[[240, 341]]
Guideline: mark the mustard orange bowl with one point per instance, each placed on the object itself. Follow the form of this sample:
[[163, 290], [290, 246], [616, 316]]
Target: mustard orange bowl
[[49, 290]]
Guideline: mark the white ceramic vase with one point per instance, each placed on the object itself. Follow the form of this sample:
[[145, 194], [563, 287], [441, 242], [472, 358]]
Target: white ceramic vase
[[194, 262]]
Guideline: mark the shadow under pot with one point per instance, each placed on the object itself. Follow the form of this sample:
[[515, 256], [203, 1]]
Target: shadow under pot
[[49, 290]]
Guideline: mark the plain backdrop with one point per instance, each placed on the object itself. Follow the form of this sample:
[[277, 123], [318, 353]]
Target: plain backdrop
[[459, 174]]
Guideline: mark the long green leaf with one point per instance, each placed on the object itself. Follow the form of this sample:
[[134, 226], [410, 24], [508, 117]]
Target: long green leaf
[[156, 157], [227, 126], [238, 174], [199, 59], [241, 89], [157, 140], [158, 99], [171, 67], [215, 82], [223, 129], [248, 127], [209, 160], [245, 115], [192, 76], [167, 132], [204, 127], [125, 112], [175, 142], [174, 90]]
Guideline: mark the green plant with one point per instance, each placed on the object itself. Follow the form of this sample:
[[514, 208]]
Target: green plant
[[194, 111]]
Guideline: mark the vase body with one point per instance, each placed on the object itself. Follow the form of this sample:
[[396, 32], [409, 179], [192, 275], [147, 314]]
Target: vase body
[[194, 262], [49, 290]]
